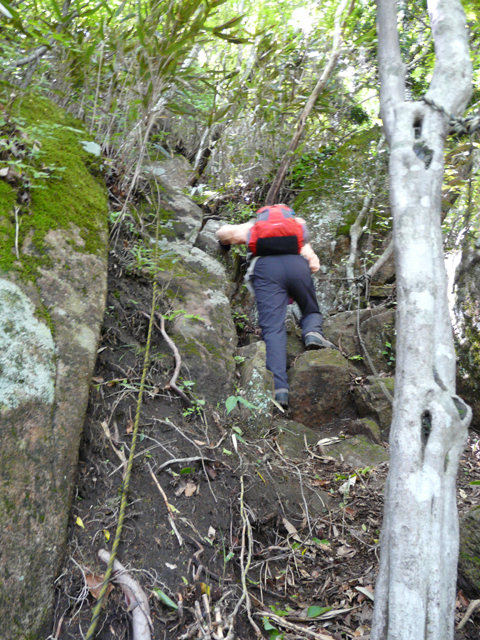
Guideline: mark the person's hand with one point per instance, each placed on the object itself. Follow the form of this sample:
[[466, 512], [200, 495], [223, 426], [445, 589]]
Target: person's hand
[[224, 248]]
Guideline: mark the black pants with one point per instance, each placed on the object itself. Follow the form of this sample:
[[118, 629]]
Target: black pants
[[275, 280]]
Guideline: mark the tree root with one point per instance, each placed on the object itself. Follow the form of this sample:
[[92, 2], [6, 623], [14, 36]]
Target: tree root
[[176, 354], [135, 598]]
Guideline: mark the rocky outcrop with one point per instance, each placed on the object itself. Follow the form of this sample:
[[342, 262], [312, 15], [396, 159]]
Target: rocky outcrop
[[377, 332], [373, 403], [195, 288], [358, 450], [52, 297]]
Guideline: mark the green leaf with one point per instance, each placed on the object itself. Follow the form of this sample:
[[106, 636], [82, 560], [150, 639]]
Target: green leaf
[[247, 404], [56, 9], [267, 625], [231, 403], [475, 482], [186, 470], [315, 611], [164, 598]]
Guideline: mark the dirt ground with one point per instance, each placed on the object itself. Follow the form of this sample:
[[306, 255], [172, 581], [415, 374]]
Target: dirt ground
[[216, 549]]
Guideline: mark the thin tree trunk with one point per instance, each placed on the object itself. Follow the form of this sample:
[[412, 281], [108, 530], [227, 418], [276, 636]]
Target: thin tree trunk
[[327, 72], [415, 591]]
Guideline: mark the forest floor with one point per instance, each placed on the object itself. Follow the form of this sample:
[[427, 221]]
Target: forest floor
[[207, 535]]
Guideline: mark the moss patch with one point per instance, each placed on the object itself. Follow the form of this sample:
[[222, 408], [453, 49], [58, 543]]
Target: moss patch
[[61, 189]]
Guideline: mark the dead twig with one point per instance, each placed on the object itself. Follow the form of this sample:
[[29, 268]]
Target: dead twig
[[247, 528], [168, 463], [472, 607], [294, 627], [170, 513]]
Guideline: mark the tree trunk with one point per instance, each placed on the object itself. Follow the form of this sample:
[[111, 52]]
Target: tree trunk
[[415, 591]]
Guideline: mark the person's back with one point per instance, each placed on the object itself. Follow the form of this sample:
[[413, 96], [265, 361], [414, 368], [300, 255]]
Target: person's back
[[281, 263]]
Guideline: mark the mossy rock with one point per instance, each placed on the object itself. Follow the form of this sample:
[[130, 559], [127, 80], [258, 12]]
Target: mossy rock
[[373, 404], [203, 331], [292, 437], [70, 195], [359, 452], [469, 556], [56, 273], [257, 382]]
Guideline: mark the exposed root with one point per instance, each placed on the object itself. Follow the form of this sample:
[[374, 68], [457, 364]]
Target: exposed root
[[135, 598]]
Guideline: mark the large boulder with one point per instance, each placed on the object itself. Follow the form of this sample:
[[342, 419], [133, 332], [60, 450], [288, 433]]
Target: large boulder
[[171, 173], [52, 294], [202, 328], [196, 286], [377, 331], [373, 403], [320, 388]]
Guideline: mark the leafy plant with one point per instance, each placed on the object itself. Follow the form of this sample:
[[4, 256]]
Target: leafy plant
[[232, 401], [389, 352], [158, 593], [182, 312], [272, 631], [240, 319]]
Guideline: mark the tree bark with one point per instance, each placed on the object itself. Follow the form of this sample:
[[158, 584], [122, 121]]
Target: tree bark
[[415, 591], [327, 72]]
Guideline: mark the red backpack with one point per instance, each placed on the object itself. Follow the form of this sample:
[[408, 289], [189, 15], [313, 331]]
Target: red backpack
[[276, 232]]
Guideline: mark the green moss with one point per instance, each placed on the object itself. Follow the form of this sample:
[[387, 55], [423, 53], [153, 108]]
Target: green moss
[[71, 195]]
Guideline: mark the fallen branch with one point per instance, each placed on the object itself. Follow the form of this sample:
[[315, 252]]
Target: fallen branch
[[472, 607], [170, 513], [135, 598], [381, 260], [294, 627], [184, 461], [246, 530]]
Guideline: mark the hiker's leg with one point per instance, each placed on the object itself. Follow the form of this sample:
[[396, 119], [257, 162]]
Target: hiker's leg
[[272, 300], [302, 290]]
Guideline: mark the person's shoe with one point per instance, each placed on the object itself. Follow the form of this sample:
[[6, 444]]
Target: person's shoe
[[315, 340], [281, 396]]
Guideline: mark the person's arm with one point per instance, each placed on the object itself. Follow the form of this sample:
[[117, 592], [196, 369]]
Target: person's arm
[[307, 252], [234, 233]]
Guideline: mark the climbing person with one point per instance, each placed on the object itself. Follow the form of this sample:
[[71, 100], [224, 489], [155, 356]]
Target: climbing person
[[281, 261]]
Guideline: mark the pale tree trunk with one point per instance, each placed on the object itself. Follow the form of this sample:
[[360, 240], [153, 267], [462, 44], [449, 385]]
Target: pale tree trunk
[[415, 590]]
